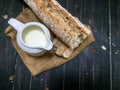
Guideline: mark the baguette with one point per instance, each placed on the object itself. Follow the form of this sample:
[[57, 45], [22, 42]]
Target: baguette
[[61, 49], [65, 26]]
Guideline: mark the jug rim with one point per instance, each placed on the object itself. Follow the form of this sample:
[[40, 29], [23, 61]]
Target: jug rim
[[43, 28]]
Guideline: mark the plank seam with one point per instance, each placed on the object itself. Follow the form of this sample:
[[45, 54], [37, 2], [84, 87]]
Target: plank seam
[[110, 43]]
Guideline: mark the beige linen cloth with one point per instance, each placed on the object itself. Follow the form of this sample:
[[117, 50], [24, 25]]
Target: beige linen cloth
[[50, 60]]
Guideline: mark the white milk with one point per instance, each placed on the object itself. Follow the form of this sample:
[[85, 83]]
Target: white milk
[[34, 36]]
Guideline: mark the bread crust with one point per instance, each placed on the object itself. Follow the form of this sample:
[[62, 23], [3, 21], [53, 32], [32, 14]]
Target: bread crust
[[65, 26], [61, 49]]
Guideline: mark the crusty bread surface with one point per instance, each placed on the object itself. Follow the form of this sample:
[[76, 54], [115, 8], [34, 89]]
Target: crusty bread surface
[[61, 49], [65, 26]]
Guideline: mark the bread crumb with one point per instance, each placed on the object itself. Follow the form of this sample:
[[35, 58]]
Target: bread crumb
[[11, 78], [117, 52], [103, 47], [5, 16], [113, 45], [46, 88], [92, 50]]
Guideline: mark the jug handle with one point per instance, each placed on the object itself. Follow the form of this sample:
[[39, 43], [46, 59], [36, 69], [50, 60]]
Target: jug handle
[[17, 25]]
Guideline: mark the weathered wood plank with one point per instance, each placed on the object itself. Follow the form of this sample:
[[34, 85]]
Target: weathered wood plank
[[22, 76], [115, 43], [94, 60], [40, 82], [7, 52], [56, 78]]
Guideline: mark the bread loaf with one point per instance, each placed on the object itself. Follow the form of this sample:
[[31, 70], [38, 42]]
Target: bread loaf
[[65, 26], [61, 49]]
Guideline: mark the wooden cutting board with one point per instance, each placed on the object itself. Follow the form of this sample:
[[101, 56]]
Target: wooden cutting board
[[50, 60]]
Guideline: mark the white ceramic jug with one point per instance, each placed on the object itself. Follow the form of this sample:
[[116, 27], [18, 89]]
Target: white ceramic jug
[[32, 37]]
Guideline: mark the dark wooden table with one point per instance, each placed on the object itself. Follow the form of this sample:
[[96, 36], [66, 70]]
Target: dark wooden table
[[96, 68]]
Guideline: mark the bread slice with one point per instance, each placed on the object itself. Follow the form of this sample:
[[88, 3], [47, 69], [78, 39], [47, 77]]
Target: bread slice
[[65, 26]]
